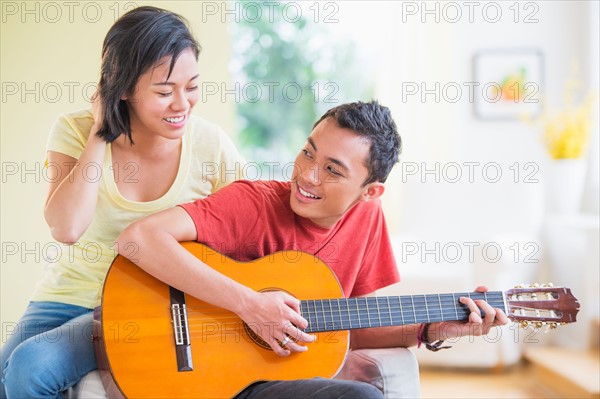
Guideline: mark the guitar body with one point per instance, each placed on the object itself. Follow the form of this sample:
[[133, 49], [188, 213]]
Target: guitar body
[[135, 340]]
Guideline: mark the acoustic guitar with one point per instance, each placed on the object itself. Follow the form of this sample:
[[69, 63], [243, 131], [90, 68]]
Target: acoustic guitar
[[153, 341]]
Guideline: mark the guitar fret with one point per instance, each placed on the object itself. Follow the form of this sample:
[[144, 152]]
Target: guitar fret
[[324, 313], [317, 313], [455, 309], [405, 304], [339, 319], [401, 311], [364, 300], [413, 307], [384, 319], [331, 315], [311, 322], [311, 325], [426, 308], [341, 303], [349, 315]]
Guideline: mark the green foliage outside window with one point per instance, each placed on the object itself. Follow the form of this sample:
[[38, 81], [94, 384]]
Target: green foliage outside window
[[288, 73]]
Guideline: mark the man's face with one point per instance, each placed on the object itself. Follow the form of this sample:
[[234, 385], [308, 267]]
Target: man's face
[[329, 174]]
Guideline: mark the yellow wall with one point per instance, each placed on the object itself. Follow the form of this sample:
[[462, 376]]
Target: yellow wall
[[50, 63]]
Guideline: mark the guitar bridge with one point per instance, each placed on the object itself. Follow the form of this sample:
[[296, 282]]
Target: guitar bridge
[[181, 332]]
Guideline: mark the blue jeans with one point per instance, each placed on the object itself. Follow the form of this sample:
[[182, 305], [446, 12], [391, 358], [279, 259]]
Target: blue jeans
[[48, 351]]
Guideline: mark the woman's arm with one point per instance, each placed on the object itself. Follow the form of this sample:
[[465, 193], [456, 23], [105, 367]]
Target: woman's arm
[[72, 195]]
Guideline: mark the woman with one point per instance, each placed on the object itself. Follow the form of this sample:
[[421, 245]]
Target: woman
[[137, 152]]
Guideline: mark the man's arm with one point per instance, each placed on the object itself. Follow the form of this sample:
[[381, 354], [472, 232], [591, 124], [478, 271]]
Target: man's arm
[[406, 336], [157, 250]]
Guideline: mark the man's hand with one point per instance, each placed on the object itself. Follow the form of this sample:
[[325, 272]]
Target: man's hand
[[275, 316], [475, 326]]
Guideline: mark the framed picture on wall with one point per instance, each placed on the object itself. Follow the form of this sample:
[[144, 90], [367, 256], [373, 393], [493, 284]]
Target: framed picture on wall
[[507, 83]]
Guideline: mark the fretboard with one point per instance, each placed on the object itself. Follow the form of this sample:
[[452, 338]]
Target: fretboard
[[366, 312]]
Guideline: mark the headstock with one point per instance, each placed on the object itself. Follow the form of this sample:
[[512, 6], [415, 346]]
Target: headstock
[[537, 305]]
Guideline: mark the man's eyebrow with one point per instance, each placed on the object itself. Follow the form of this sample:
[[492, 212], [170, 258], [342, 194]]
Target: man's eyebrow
[[338, 162], [335, 161], [167, 83]]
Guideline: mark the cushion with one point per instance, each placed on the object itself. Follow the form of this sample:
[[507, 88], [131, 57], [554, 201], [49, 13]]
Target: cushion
[[394, 371]]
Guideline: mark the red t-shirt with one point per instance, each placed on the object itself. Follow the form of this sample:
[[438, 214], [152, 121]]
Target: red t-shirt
[[247, 220]]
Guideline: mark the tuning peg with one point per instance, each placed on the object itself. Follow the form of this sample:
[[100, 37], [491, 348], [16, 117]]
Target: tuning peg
[[553, 326], [548, 285], [524, 324], [536, 285], [538, 324]]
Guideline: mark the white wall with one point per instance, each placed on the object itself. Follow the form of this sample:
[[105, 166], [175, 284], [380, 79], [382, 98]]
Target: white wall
[[428, 216], [448, 132]]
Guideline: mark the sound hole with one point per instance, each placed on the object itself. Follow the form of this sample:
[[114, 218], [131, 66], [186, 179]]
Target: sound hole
[[255, 338]]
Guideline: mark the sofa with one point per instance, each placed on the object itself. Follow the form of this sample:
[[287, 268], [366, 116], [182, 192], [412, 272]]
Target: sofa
[[394, 371]]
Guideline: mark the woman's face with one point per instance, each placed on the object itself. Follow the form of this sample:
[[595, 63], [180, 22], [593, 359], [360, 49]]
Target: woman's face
[[160, 106]]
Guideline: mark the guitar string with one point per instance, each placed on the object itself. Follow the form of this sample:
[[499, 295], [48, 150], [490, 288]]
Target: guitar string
[[355, 316], [400, 301], [368, 305], [361, 314], [227, 331], [363, 307], [353, 320], [342, 322]]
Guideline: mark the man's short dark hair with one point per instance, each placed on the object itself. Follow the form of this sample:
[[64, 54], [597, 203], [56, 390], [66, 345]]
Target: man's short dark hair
[[374, 122]]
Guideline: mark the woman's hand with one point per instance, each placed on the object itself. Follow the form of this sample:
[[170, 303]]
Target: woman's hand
[[97, 111]]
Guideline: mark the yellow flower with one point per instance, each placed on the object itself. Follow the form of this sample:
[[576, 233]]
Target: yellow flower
[[566, 133]]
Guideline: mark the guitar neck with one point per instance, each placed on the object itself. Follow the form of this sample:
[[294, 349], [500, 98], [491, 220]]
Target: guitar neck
[[365, 312]]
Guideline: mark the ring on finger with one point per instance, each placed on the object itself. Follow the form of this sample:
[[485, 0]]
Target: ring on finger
[[285, 340]]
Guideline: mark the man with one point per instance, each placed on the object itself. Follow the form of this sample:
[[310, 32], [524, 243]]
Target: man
[[331, 208]]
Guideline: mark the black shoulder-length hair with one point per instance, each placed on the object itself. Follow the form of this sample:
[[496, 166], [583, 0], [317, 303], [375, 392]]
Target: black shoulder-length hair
[[134, 44]]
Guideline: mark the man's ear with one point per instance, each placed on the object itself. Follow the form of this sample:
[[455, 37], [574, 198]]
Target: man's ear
[[373, 191]]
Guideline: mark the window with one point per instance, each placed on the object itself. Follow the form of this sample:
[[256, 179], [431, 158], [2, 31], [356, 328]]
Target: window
[[291, 62]]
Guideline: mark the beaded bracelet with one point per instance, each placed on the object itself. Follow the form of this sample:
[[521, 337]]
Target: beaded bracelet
[[422, 339]]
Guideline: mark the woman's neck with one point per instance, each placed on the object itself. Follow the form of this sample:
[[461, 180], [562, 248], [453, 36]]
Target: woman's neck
[[147, 146]]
